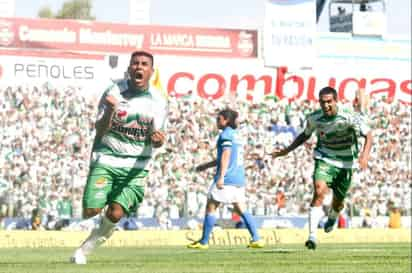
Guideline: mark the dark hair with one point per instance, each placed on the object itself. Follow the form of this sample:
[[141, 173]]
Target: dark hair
[[231, 116], [328, 90], [142, 53]]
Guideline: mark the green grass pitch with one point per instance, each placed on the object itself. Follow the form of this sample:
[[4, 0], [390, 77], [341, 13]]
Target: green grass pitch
[[328, 258]]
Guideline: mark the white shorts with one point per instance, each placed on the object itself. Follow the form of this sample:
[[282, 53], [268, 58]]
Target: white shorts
[[228, 195]]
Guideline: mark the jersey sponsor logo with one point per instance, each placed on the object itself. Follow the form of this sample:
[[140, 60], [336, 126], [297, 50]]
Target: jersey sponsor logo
[[137, 131], [131, 124], [101, 182], [100, 195]]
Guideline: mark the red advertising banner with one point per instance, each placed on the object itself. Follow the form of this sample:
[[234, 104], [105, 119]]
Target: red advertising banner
[[72, 35]]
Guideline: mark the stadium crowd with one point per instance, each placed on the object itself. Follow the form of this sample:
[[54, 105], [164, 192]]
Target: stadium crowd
[[46, 136]]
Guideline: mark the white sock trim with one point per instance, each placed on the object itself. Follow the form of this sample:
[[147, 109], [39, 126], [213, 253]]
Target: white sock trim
[[99, 235], [106, 225], [315, 214]]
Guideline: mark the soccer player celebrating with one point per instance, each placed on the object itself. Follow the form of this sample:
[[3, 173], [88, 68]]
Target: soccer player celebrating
[[229, 180], [337, 130], [129, 125]]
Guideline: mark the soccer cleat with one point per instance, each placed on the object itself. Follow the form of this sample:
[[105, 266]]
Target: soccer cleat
[[78, 257], [330, 223], [256, 244], [197, 245], [310, 244]]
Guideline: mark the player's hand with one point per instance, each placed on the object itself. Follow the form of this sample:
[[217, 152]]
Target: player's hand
[[157, 138], [276, 153], [219, 183], [363, 161]]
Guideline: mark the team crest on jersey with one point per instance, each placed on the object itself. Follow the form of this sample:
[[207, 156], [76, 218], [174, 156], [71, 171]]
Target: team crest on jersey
[[340, 125], [122, 113]]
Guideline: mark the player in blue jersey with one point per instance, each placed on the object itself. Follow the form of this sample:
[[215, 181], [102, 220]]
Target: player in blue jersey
[[229, 180]]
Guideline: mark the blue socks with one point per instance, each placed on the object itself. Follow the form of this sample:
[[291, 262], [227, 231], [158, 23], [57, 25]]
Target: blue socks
[[208, 224], [250, 224], [210, 220]]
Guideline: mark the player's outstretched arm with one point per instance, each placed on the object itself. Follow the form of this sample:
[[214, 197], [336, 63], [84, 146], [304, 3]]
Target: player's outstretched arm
[[105, 122], [364, 156], [296, 143], [205, 166]]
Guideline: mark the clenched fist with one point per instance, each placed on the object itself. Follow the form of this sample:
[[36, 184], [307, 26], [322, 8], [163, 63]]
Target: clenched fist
[[157, 138]]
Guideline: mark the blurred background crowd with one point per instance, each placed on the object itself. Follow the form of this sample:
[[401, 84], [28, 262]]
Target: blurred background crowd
[[46, 136]]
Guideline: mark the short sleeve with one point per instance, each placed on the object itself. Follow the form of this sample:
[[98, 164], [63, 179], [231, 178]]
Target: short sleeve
[[226, 138]]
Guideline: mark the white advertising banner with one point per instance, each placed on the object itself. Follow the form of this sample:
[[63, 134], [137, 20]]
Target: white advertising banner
[[34, 68], [251, 80], [289, 33], [381, 67], [371, 23]]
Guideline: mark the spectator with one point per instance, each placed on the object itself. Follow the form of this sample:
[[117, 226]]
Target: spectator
[[394, 216], [45, 148], [65, 210]]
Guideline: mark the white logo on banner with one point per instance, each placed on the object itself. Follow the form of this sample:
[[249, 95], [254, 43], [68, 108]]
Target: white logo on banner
[[6, 33], [289, 33]]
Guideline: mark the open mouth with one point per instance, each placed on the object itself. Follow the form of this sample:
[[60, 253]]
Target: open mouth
[[139, 76]]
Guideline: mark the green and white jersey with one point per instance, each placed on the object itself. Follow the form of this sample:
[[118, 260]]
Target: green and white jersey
[[127, 144], [337, 136]]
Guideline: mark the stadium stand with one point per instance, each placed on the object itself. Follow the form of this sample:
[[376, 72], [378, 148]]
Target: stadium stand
[[45, 144]]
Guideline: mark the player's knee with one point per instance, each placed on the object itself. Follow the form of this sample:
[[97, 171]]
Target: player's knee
[[316, 202], [211, 206], [320, 191], [115, 212], [90, 212], [318, 197]]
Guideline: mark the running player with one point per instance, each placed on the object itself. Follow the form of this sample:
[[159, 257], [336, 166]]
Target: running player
[[336, 153], [129, 125]]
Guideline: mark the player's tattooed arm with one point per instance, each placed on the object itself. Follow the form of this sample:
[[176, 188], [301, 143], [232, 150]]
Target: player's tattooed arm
[[206, 166], [296, 143]]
